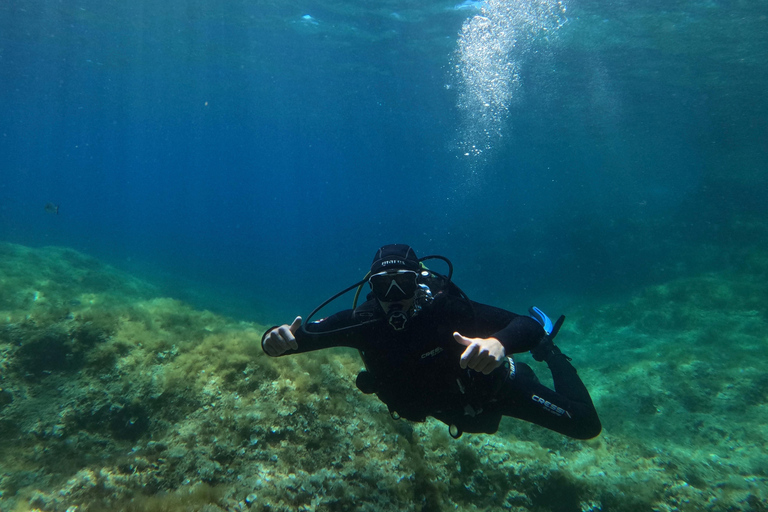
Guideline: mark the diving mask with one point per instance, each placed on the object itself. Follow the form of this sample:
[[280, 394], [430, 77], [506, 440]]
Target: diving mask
[[394, 286]]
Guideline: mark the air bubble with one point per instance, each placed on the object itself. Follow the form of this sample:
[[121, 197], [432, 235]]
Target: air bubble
[[491, 48]]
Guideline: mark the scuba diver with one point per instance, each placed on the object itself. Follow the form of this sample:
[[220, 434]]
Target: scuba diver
[[429, 350]]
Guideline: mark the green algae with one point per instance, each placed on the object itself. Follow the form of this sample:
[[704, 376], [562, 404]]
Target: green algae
[[112, 398]]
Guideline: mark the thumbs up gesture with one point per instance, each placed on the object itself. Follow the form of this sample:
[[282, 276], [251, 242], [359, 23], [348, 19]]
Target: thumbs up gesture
[[281, 339], [482, 354]]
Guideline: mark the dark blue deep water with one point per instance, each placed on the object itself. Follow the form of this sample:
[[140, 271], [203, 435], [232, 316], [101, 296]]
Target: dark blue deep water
[[250, 156]]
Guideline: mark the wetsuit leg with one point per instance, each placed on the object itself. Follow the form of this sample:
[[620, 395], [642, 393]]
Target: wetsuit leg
[[524, 371], [567, 410]]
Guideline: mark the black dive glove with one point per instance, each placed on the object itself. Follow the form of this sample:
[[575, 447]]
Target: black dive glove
[[546, 347]]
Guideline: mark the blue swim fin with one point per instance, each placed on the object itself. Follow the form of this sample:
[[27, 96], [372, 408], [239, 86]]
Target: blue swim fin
[[542, 318]]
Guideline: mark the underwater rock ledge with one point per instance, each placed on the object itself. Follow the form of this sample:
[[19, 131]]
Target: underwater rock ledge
[[112, 398]]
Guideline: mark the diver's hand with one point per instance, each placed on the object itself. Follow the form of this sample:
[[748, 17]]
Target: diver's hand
[[482, 354], [281, 339]]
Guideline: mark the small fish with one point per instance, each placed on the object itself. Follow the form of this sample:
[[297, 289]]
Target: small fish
[[52, 208]]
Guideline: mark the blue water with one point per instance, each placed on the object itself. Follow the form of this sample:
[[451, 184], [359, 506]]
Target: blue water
[[252, 156]]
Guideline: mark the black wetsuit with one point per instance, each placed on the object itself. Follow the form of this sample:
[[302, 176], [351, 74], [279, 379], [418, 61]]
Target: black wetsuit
[[416, 372]]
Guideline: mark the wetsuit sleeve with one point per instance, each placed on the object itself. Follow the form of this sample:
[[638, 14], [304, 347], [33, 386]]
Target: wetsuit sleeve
[[517, 333], [338, 330], [567, 410]]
